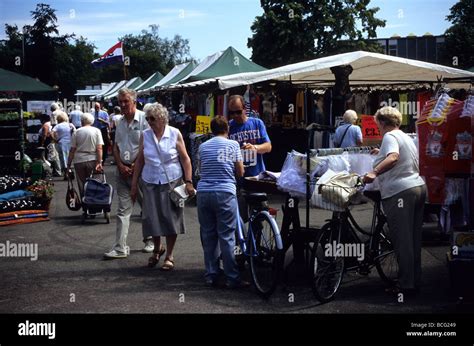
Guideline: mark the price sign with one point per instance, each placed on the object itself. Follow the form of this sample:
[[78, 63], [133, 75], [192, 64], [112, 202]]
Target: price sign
[[203, 124], [370, 129]]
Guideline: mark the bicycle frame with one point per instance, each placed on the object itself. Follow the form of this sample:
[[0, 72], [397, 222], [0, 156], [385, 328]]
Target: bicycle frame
[[346, 223], [245, 243]]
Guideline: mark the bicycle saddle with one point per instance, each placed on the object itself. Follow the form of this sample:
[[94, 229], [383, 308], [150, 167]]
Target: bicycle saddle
[[253, 198], [373, 195]]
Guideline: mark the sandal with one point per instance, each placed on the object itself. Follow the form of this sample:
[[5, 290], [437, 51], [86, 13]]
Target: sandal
[[168, 264], [153, 260]]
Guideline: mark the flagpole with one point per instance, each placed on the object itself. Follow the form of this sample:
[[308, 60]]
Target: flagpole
[[124, 66]]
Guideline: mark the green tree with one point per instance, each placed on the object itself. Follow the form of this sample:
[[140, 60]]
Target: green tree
[[459, 38], [292, 31], [148, 52]]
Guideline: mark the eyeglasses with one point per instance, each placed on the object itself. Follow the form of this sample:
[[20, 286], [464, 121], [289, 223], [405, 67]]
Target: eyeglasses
[[150, 119], [236, 112]]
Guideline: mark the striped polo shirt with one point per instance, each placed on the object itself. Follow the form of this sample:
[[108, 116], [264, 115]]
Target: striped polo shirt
[[217, 165]]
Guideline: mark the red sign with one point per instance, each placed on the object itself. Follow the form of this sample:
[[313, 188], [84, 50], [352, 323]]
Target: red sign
[[370, 129]]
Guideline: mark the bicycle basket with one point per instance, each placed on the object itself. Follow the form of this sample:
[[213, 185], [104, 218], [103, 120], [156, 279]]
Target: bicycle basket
[[340, 189]]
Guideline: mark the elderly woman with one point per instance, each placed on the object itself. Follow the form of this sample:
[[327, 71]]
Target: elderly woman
[[348, 134], [403, 194], [220, 160], [160, 157], [46, 141], [86, 151], [62, 134]]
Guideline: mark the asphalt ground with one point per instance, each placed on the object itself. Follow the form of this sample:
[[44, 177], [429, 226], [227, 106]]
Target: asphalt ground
[[70, 275]]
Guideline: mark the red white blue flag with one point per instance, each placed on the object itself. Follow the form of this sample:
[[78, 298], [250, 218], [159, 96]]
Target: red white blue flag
[[112, 56]]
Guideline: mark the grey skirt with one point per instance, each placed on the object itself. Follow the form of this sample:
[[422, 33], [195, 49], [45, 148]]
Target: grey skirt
[[160, 216]]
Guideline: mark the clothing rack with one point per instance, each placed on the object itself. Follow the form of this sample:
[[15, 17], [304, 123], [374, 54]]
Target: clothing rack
[[339, 151]]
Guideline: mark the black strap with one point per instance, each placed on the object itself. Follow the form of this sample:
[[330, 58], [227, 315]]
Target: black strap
[[343, 136]]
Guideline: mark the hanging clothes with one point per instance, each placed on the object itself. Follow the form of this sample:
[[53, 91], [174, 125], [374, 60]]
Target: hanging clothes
[[247, 101], [404, 108], [300, 107], [220, 105], [212, 106], [225, 112]]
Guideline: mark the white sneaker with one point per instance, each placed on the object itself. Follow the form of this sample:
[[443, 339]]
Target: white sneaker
[[116, 254], [149, 246]]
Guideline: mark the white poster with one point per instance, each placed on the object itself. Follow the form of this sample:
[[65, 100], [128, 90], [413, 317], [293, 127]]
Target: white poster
[[39, 106]]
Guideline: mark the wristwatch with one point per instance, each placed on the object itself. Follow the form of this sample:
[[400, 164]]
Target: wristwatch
[[188, 181]]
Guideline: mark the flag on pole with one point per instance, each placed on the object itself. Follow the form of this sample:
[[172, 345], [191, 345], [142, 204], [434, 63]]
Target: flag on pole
[[112, 56]]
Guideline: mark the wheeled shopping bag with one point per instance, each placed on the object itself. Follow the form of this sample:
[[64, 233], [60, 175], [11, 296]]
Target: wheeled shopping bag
[[97, 198]]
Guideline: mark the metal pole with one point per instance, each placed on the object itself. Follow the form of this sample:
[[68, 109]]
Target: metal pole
[[23, 48]]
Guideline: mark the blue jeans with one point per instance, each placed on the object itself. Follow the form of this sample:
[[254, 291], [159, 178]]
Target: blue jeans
[[218, 219]]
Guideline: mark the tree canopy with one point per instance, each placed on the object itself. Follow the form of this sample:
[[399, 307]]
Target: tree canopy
[[459, 38], [65, 60], [290, 31]]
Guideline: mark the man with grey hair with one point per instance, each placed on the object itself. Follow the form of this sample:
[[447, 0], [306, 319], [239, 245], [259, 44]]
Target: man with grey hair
[[127, 139], [348, 134]]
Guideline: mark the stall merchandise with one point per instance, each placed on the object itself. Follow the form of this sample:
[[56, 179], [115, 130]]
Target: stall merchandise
[[445, 149], [11, 136]]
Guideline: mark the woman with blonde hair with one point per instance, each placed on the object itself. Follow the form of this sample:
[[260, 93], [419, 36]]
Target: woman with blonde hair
[[403, 194]]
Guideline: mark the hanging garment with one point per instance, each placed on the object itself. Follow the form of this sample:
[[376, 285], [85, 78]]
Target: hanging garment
[[212, 106], [255, 102], [226, 101], [220, 105], [300, 107], [404, 108], [247, 101]]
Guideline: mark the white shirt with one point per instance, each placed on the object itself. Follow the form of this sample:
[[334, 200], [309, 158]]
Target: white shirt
[[405, 174], [161, 156], [116, 118], [85, 140], [127, 136]]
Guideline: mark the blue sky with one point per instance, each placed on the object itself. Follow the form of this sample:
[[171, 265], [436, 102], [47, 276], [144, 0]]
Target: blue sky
[[210, 25]]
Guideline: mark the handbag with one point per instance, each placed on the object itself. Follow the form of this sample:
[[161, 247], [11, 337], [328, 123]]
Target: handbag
[[73, 202], [340, 188], [178, 195]]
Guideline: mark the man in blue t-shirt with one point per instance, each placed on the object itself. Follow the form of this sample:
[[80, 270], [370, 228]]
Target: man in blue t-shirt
[[251, 135]]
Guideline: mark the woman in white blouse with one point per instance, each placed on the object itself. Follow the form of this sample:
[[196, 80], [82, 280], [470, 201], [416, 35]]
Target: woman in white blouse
[[161, 155]]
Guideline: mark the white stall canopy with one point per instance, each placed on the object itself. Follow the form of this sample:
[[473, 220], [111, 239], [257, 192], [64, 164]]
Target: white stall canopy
[[368, 69]]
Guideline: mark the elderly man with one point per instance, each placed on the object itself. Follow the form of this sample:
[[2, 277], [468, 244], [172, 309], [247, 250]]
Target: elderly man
[[250, 133], [102, 123], [348, 134], [127, 139]]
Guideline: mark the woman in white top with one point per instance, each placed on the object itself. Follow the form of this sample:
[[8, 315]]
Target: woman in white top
[[86, 151], [161, 154], [403, 194], [62, 134]]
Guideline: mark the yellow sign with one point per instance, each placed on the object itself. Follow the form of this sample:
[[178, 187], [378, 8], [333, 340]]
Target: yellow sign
[[203, 124]]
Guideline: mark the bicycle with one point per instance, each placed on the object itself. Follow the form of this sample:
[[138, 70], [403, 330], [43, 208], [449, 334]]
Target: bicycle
[[261, 244], [327, 271]]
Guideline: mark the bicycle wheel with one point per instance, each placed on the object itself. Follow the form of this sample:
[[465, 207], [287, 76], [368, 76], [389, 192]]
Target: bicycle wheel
[[386, 259], [265, 257], [327, 271]]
